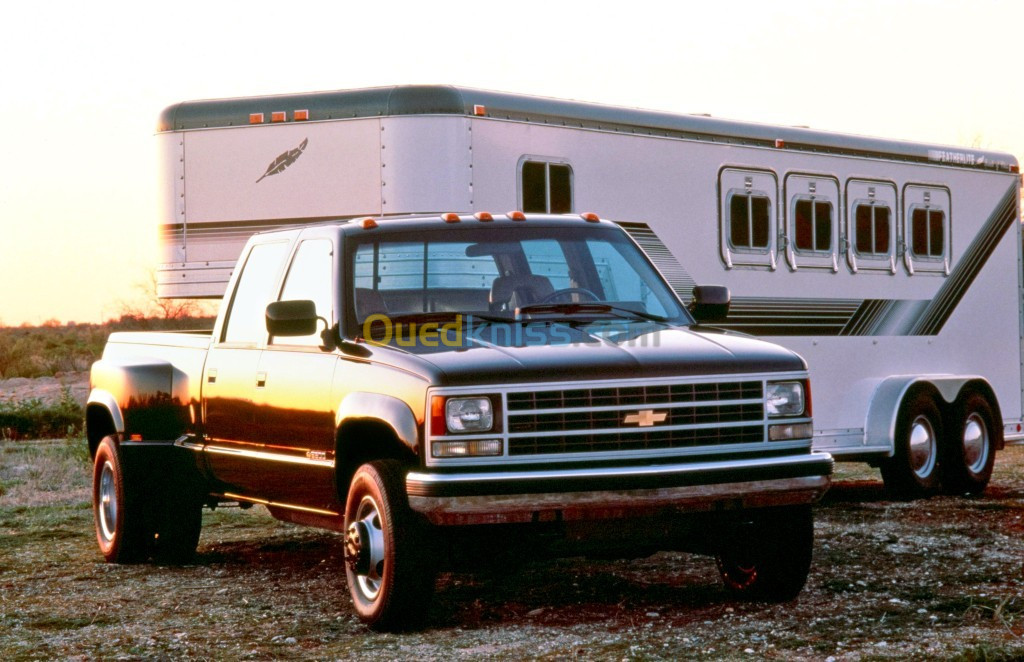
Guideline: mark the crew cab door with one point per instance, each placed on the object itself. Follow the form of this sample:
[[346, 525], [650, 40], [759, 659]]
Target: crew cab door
[[294, 408], [233, 450]]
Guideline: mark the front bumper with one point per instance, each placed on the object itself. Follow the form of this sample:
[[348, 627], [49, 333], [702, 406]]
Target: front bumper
[[613, 492]]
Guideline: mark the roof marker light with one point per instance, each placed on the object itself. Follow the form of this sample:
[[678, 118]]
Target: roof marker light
[[255, 118], [450, 217], [479, 110], [300, 115], [516, 216], [483, 216], [590, 217], [367, 223], [780, 143]]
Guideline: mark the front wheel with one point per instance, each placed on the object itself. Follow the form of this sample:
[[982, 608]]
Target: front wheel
[[388, 562], [767, 557], [970, 450], [913, 470]]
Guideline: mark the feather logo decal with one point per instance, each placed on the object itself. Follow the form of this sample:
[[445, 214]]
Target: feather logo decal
[[284, 160]]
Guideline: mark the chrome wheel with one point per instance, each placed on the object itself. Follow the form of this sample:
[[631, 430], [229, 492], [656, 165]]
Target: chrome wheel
[[108, 502], [365, 548], [976, 443], [923, 447]]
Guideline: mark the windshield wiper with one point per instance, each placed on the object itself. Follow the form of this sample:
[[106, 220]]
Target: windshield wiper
[[587, 307]]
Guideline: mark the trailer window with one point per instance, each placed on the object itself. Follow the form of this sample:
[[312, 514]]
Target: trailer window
[[546, 187], [812, 225], [749, 221], [872, 225], [927, 227]]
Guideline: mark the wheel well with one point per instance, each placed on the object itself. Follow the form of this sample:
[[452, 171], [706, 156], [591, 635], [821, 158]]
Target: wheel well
[[98, 424], [359, 442]]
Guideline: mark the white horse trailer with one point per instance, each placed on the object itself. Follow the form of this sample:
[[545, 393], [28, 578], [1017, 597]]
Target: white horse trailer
[[894, 268]]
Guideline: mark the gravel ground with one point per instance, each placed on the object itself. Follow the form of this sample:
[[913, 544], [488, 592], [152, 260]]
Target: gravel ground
[[942, 578]]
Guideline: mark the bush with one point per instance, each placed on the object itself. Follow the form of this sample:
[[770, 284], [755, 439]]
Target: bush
[[32, 419]]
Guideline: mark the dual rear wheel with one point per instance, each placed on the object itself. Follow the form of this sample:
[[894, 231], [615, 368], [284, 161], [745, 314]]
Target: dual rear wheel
[[951, 451]]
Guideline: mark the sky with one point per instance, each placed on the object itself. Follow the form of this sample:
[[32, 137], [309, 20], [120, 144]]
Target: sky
[[84, 83]]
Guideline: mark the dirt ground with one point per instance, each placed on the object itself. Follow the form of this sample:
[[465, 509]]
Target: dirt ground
[[942, 579], [47, 389]]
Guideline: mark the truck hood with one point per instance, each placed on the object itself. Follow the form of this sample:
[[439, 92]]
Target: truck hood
[[571, 352]]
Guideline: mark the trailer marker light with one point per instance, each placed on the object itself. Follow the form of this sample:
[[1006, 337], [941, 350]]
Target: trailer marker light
[[300, 115], [483, 216], [780, 143], [479, 110], [590, 217], [450, 217], [1015, 168], [255, 118], [516, 216], [367, 223], [278, 116]]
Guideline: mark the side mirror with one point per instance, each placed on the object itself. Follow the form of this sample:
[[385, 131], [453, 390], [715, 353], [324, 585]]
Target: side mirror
[[292, 318], [710, 303]]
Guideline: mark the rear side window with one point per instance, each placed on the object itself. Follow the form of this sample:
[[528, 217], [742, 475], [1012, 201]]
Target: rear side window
[[813, 225], [749, 221], [546, 187], [872, 228], [246, 321], [927, 228]]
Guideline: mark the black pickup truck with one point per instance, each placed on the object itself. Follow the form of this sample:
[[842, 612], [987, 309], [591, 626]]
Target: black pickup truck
[[456, 390]]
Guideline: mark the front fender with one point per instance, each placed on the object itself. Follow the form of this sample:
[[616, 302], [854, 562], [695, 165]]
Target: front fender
[[386, 409]]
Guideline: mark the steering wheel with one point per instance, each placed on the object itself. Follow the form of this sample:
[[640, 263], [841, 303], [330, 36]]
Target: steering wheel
[[568, 291]]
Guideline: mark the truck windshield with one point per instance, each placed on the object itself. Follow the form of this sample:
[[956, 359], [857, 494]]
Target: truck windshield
[[507, 273]]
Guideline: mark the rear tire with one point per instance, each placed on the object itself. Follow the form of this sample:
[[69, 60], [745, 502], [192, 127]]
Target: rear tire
[[123, 528], [913, 470], [768, 556], [389, 561], [970, 449]]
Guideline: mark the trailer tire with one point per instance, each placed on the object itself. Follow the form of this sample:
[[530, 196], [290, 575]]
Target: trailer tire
[[913, 470], [388, 558], [120, 509], [767, 557], [970, 449]]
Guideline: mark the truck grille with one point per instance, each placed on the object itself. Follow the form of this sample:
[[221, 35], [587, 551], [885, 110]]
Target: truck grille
[[635, 418]]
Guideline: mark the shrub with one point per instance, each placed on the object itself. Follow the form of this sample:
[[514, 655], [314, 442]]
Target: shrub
[[32, 419]]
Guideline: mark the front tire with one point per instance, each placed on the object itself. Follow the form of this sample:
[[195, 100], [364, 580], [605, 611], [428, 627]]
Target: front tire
[[913, 470], [388, 561], [970, 450], [768, 556]]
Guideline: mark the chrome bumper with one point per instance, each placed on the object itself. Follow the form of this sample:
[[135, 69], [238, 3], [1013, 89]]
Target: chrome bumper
[[613, 492]]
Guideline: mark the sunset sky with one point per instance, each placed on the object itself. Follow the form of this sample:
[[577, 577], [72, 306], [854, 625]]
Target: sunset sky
[[83, 84]]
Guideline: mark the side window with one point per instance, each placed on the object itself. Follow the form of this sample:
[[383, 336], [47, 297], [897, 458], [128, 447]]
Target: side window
[[748, 214], [812, 228], [872, 237], [310, 276], [545, 186], [246, 321], [927, 229]]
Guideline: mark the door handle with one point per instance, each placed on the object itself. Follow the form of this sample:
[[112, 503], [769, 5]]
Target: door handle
[[211, 376], [261, 379]]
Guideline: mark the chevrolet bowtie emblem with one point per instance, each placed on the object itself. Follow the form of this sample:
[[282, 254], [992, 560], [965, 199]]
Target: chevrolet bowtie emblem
[[645, 418]]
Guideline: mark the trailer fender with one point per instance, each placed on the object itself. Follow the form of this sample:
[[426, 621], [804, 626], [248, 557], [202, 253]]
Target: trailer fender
[[386, 409], [880, 426]]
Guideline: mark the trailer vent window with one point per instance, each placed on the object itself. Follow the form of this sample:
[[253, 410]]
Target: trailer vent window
[[813, 225], [546, 187], [872, 229], [927, 227], [749, 221]]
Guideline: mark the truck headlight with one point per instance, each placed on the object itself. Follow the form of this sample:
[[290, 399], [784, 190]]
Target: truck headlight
[[468, 414], [784, 398]]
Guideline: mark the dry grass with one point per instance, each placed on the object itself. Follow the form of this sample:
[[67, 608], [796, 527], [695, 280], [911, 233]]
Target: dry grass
[[892, 580]]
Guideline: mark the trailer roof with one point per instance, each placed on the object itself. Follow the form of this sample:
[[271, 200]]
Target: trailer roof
[[405, 100]]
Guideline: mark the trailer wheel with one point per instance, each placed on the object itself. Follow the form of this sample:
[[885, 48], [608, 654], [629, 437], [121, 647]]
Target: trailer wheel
[[970, 450], [388, 562], [768, 556], [913, 470], [120, 510]]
